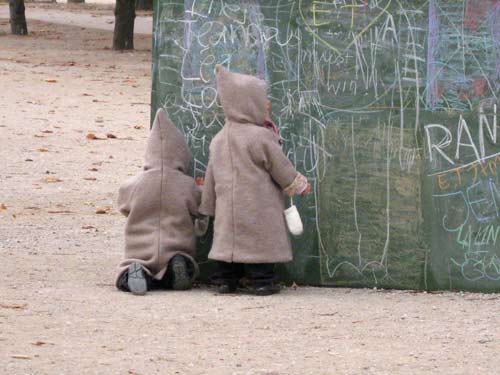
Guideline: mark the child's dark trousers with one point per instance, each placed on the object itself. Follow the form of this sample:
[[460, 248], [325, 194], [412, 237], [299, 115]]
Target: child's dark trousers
[[260, 274]]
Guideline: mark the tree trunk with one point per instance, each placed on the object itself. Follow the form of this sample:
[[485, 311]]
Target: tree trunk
[[123, 37], [17, 17], [144, 5]]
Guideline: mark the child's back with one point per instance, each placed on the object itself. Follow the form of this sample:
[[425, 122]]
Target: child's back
[[160, 204], [245, 178]]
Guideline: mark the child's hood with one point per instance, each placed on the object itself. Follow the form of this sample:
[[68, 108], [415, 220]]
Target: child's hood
[[166, 145], [243, 97]]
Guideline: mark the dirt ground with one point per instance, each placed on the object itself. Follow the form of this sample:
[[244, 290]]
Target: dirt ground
[[61, 239]]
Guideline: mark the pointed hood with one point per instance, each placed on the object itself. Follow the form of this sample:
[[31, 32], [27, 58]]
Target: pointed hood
[[243, 97], [166, 145]]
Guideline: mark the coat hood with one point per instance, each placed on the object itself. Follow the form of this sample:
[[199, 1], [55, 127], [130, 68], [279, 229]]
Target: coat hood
[[166, 145], [243, 97]]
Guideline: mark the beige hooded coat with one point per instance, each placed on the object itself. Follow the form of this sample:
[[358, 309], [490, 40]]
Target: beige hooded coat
[[160, 203], [245, 178]]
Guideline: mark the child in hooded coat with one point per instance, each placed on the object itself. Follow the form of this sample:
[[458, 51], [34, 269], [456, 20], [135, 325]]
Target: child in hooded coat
[[160, 204], [246, 176]]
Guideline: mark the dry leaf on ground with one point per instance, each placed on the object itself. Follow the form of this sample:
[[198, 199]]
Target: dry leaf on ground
[[90, 178], [51, 179], [13, 307], [42, 149], [20, 356], [3, 207], [110, 135], [39, 343], [103, 210], [51, 80], [92, 137]]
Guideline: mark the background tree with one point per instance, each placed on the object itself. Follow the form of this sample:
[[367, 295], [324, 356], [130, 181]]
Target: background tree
[[18, 24], [123, 37]]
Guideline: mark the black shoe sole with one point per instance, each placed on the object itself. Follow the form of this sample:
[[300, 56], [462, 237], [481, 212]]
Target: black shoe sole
[[137, 283], [266, 291], [181, 279], [227, 289]]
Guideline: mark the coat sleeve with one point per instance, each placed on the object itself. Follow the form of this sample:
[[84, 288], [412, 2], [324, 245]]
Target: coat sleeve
[[267, 152], [126, 194], [207, 206]]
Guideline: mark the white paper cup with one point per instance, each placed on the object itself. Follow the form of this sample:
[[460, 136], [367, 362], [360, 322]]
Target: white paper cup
[[293, 221]]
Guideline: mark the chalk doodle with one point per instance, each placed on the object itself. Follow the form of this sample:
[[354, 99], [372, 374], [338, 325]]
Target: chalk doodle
[[389, 107]]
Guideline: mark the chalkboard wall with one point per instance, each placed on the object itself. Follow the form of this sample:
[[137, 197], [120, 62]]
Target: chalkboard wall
[[388, 107]]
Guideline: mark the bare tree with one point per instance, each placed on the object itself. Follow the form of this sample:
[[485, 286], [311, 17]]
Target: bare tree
[[123, 37], [18, 24]]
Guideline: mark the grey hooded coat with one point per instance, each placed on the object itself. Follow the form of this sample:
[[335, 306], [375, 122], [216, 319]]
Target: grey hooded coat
[[245, 178], [160, 203]]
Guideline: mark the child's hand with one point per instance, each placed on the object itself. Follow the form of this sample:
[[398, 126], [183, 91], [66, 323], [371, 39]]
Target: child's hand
[[200, 181], [307, 190]]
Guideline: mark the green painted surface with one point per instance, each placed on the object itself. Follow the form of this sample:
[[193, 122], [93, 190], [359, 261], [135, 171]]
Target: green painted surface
[[375, 101]]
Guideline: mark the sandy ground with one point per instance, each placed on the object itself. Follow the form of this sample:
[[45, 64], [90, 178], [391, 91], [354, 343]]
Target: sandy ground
[[92, 16], [59, 311]]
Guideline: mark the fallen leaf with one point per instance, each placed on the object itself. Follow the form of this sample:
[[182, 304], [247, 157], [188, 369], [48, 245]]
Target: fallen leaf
[[92, 136], [47, 131], [110, 135], [93, 169], [39, 343], [85, 94], [3, 207], [103, 210], [39, 136], [43, 149], [13, 307], [20, 356], [90, 178], [59, 212], [138, 127], [51, 179], [99, 119], [28, 159], [51, 80], [88, 227]]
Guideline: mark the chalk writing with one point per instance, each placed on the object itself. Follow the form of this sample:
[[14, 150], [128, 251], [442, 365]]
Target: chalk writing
[[389, 107]]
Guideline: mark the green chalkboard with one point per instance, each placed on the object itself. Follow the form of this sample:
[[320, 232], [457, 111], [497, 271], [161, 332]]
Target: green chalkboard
[[382, 104]]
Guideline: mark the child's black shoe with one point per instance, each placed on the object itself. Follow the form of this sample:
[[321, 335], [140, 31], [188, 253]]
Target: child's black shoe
[[136, 280], [180, 274], [266, 290], [227, 288]]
